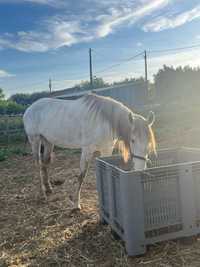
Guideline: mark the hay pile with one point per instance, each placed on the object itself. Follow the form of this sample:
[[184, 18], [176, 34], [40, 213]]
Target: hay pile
[[35, 233]]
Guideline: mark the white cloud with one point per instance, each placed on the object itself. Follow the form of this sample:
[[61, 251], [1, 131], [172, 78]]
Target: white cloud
[[163, 23], [5, 74], [57, 34], [53, 3], [67, 30], [118, 17]]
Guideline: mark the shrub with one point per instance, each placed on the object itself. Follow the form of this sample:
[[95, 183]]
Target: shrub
[[10, 107]]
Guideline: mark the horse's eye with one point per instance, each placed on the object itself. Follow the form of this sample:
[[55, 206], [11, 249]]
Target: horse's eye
[[132, 140]]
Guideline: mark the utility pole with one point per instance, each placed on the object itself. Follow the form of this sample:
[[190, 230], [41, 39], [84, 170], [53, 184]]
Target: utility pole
[[90, 60], [146, 75], [50, 85], [145, 65]]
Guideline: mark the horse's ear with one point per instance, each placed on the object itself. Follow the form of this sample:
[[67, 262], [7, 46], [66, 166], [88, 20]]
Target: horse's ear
[[130, 116], [151, 118]]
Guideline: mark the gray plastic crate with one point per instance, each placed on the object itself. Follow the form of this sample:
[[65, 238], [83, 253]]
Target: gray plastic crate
[[160, 203]]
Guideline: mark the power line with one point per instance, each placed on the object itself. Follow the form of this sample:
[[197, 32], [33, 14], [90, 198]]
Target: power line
[[120, 63], [173, 49], [133, 57]]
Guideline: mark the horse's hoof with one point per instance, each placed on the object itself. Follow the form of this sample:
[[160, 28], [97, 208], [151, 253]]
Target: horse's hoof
[[76, 210]]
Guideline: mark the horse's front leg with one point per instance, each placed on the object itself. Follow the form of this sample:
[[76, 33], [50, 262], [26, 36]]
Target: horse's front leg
[[84, 166]]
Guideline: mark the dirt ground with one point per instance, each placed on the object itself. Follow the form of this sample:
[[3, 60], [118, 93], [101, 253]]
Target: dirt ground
[[36, 233]]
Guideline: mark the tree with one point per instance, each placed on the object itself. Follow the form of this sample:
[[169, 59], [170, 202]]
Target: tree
[[28, 99], [181, 84], [10, 107], [97, 83], [2, 96], [130, 80], [22, 99]]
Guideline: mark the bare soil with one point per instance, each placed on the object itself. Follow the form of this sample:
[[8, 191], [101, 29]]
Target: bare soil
[[38, 233]]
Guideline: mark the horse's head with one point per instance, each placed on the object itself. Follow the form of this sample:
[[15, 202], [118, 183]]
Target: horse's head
[[142, 140]]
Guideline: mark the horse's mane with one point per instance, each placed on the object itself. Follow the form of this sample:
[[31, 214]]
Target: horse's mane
[[117, 115]]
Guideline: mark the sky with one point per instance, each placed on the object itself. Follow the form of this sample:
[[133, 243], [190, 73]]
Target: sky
[[51, 38]]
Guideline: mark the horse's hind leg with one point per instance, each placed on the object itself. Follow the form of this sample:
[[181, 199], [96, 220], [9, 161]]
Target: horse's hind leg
[[46, 150], [35, 146]]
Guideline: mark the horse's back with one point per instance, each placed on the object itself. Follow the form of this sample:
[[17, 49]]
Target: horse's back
[[51, 115], [67, 123]]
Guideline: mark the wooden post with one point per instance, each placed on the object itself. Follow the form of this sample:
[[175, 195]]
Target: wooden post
[[146, 74], [90, 61]]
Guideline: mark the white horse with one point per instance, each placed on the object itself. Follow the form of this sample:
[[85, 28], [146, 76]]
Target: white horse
[[92, 123]]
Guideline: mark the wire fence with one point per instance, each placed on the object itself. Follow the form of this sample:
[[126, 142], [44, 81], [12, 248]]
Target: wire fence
[[11, 129]]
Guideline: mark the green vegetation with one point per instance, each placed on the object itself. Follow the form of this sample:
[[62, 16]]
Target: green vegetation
[[27, 99], [97, 83], [5, 153], [9, 106], [2, 96], [177, 85], [11, 130]]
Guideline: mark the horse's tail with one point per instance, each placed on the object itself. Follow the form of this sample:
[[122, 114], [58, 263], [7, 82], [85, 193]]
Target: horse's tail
[[26, 140], [42, 150], [45, 151]]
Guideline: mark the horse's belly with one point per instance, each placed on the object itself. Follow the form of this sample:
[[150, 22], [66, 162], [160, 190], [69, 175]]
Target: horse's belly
[[69, 138]]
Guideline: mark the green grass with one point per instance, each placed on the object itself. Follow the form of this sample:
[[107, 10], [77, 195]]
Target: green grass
[[3, 154], [14, 122], [6, 152]]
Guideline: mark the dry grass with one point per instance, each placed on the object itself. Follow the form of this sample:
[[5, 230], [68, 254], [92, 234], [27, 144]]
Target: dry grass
[[35, 233]]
